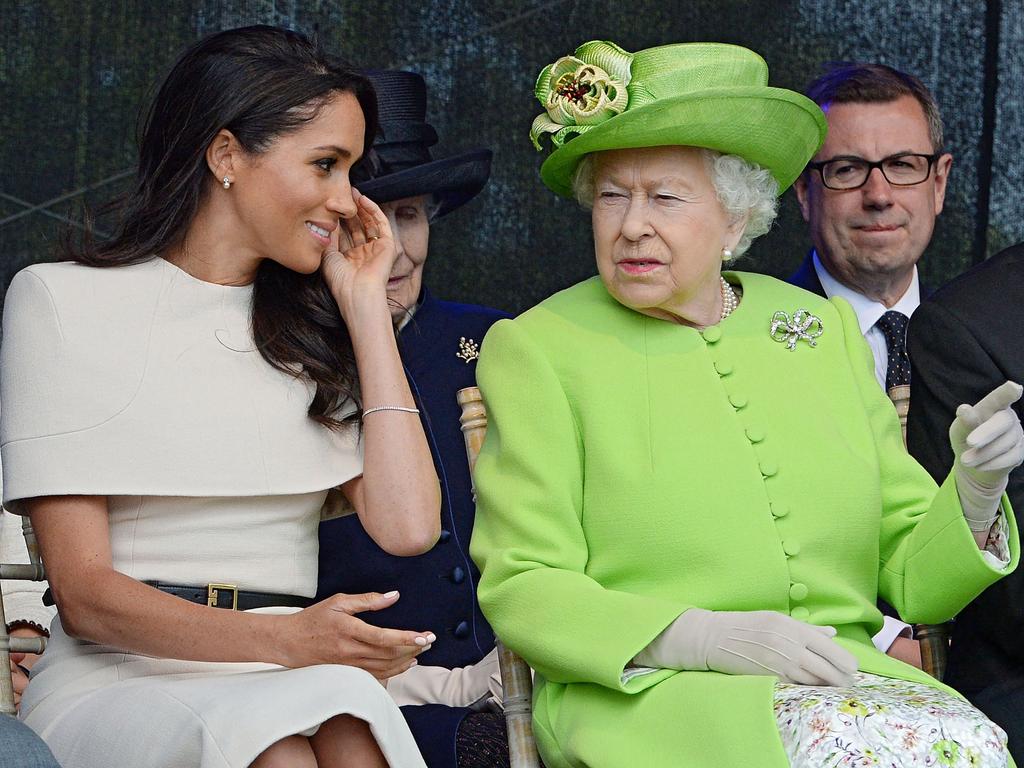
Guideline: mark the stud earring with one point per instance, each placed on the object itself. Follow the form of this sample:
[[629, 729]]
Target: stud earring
[[226, 182], [726, 254]]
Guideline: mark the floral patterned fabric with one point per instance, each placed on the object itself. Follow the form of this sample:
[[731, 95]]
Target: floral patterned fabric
[[886, 723], [998, 544]]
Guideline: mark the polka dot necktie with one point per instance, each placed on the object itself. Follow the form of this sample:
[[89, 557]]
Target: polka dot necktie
[[894, 327]]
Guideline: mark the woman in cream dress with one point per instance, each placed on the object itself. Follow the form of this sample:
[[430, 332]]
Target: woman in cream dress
[[180, 408]]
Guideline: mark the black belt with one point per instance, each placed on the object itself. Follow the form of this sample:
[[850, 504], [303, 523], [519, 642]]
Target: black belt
[[229, 596]]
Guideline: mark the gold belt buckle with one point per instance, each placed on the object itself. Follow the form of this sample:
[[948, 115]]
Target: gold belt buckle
[[213, 592]]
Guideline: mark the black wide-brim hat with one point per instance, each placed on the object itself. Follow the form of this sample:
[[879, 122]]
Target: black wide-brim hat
[[399, 165]]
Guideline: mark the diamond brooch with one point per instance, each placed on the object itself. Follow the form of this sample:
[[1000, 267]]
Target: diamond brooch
[[802, 326]]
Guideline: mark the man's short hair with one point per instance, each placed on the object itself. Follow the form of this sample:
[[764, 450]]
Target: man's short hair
[[847, 82]]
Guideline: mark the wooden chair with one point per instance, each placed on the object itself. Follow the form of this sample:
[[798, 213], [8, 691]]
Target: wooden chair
[[517, 682], [31, 571]]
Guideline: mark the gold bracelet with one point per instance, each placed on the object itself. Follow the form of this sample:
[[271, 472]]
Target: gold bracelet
[[401, 408]]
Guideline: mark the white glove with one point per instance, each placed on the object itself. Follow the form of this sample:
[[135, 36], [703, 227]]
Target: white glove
[[751, 643], [473, 686], [987, 442]]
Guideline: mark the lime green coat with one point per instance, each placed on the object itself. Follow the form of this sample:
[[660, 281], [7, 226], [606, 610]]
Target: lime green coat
[[634, 468]]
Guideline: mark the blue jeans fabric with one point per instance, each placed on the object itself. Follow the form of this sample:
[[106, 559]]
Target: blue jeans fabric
[[20, 747]]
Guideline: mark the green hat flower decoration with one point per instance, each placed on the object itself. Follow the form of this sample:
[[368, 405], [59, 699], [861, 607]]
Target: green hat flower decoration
[[581, 91], [710, 95]]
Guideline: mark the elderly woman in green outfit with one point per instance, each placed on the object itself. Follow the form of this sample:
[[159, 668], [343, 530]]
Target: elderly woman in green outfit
[[692, 490]]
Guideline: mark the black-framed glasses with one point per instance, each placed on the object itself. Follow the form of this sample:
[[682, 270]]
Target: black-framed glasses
[[901, 170]]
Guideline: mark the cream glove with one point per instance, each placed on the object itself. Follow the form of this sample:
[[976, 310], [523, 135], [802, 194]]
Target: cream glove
[[987, 442], [475, 686], [751, 643]]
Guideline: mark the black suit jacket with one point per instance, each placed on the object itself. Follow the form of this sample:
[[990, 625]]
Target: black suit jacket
[[964, 341]]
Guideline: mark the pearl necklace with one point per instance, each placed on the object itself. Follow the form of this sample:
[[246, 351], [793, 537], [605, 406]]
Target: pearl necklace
[[729, 299]]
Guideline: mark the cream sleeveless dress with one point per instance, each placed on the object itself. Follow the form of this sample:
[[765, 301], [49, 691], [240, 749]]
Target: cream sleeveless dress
[[141, 383]]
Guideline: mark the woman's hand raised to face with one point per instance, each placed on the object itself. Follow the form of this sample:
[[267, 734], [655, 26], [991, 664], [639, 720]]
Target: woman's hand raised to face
[[329, 633], [357, 266]]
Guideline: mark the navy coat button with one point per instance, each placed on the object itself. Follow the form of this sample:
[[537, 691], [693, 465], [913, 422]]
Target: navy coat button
[[462, 630], [445, 535], [458, 575]]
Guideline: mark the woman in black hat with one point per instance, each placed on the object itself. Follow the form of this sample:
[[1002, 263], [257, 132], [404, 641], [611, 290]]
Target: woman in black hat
[[443, 695]]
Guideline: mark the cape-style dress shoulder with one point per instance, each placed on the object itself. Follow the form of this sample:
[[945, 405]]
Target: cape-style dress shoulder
[[143, 384]]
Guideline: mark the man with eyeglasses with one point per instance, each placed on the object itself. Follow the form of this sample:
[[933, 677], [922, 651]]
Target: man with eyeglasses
[[870, 197]]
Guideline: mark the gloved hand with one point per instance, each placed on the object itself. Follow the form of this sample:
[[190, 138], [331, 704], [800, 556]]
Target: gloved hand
[[987, 442], [472, 686], [751, 643]]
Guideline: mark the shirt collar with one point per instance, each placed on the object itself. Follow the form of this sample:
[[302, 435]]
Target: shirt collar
[[868, 311]]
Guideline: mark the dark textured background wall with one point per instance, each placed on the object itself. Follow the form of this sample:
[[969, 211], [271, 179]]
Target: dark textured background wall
[[73, 75]]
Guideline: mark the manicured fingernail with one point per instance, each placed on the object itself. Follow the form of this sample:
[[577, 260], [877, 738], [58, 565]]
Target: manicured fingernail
[[389, 595], [413, 663], [431, 637], [421, 641]]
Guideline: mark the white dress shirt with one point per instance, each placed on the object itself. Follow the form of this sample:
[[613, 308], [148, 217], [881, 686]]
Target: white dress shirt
[[869, 312]]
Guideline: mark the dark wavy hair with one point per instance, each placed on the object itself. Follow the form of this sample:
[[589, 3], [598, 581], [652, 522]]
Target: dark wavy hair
[[259, 83]]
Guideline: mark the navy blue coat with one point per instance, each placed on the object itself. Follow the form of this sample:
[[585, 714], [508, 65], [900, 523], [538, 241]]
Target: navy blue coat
[[438, 589], [806, 277]]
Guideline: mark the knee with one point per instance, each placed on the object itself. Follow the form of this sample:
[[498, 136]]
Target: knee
[[347, 725], [289, 752]]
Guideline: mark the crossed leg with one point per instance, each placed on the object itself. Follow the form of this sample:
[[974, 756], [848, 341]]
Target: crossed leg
[[341, 742]]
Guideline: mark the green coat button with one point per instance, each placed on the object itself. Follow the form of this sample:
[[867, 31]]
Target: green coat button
[[723, 367], [755, 434], [711, 334], [769, 468], [791, 547], [800, 613], [738, 401], [779, 510], [798, 591]]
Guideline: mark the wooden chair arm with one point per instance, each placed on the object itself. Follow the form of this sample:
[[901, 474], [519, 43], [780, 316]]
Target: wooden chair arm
[[516, 679], [934, 639]]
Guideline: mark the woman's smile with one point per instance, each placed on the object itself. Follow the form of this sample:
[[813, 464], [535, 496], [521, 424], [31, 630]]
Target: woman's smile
[[320, 232]]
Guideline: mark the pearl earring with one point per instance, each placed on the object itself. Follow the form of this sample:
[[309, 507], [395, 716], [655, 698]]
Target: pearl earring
[[226, 182], [726, 254]]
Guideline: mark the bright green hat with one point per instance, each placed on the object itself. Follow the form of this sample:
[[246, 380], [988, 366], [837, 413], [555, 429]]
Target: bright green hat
[[709, 95]]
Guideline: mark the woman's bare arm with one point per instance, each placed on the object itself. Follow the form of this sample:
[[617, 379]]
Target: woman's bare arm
[[398, 498]]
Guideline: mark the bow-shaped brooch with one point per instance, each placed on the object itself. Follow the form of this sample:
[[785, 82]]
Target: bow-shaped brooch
[[803, 325]]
